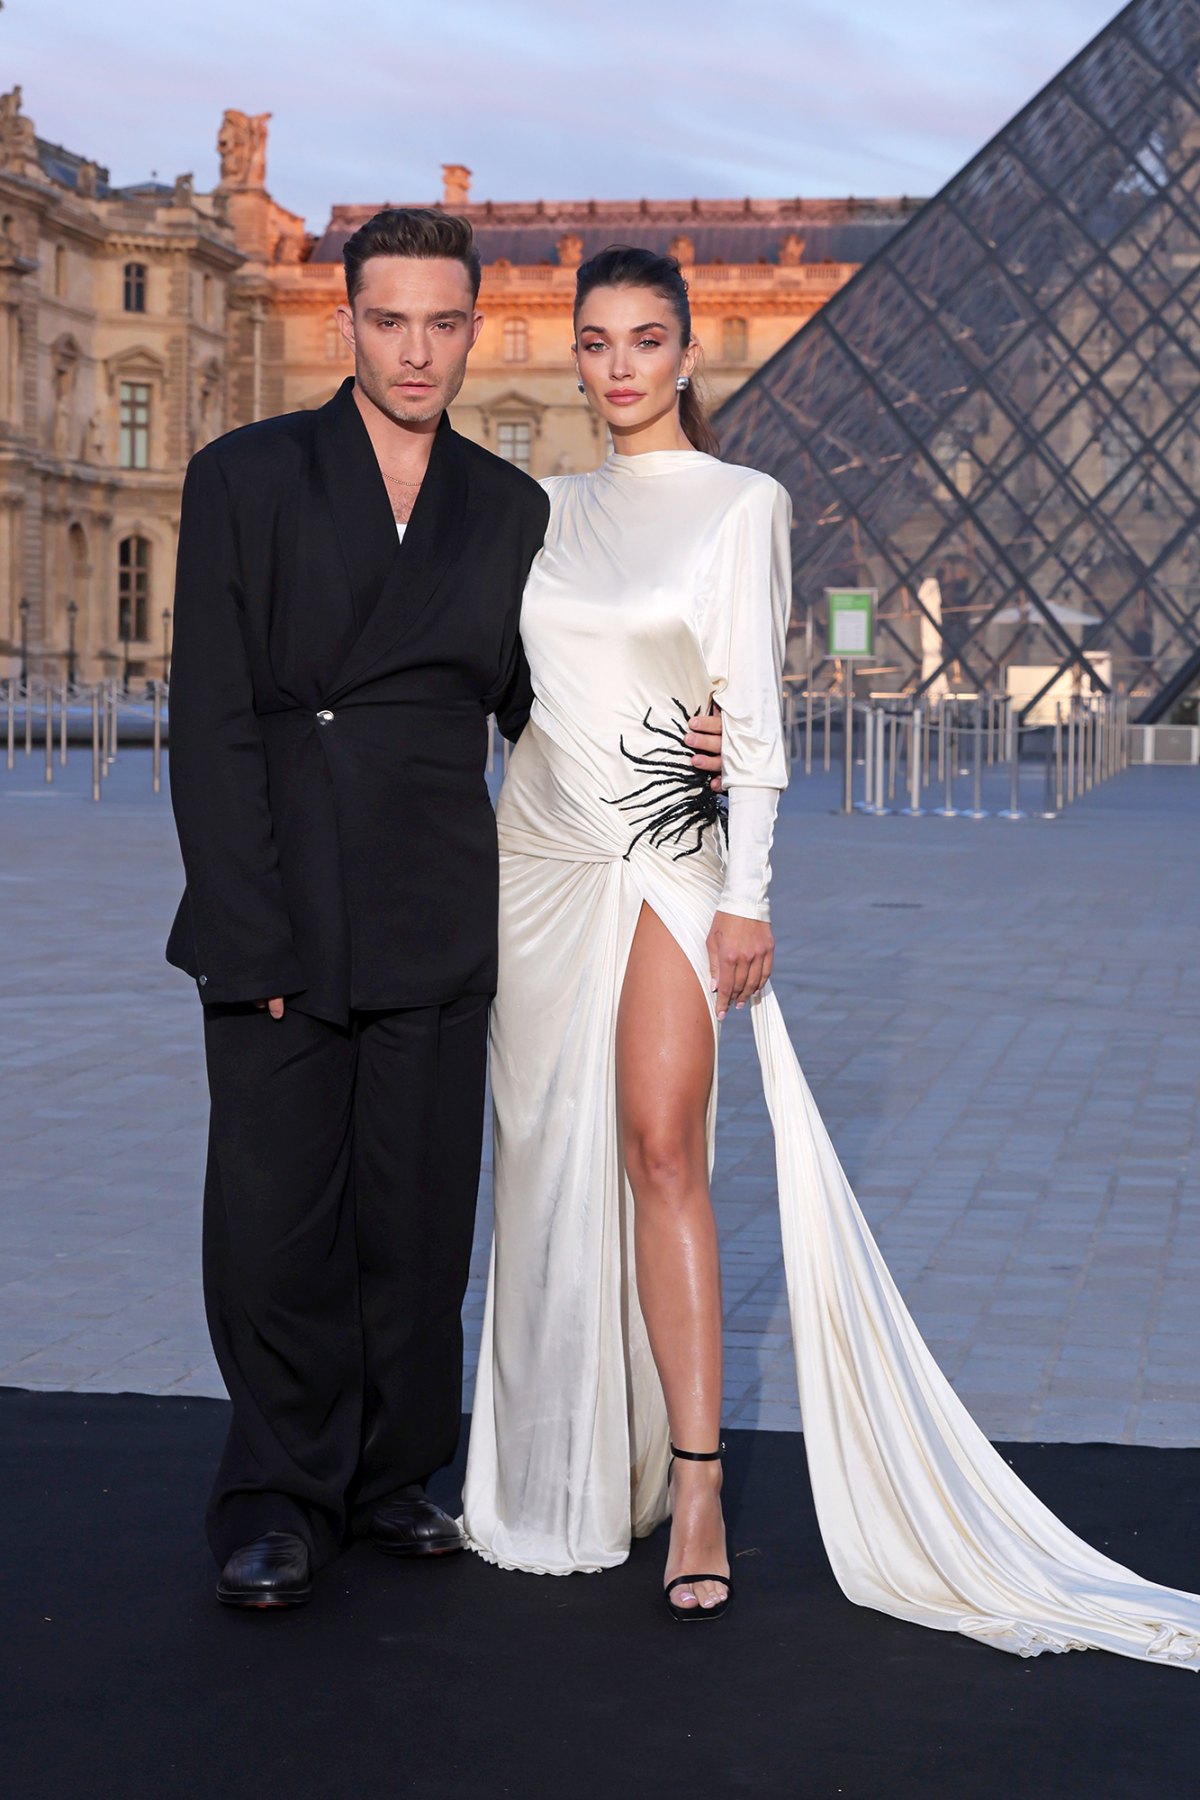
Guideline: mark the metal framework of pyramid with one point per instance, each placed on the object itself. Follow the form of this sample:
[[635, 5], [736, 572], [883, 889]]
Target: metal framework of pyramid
[[996, 424]]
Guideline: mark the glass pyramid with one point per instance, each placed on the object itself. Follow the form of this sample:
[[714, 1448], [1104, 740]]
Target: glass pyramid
[[996, 424]]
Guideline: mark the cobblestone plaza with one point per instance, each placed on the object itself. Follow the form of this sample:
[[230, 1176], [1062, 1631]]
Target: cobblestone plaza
[[1000, 1022]]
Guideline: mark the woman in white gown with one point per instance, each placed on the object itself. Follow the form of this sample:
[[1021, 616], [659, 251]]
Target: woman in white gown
[[627, 930]]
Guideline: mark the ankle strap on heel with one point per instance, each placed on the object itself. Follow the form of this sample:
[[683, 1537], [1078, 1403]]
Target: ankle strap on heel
[[700, 1456]]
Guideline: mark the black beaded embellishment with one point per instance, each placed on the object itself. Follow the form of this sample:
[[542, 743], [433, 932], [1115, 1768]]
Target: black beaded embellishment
[[678, 799]]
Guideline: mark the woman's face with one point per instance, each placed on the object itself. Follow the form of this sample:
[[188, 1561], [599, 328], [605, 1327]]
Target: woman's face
[[629, 356]]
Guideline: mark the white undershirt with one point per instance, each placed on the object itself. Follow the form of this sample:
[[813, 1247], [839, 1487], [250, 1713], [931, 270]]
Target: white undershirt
[[401, 528]]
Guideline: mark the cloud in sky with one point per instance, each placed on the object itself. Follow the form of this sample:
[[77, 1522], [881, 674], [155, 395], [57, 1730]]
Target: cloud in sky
[[543, 98]]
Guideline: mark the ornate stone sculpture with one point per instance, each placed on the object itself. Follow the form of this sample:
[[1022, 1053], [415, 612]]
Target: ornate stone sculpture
[[17, 140], [456, 185], [791, 250], [242, 143], [570, 250], [93, 439]]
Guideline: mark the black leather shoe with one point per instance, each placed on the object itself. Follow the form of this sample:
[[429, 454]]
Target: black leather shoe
[[413, 1527], [272, 1571]]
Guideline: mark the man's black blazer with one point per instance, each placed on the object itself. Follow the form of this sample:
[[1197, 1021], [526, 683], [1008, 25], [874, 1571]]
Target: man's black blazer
[[329, 695]]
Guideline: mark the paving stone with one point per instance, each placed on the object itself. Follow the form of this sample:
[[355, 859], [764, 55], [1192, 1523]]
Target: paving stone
[[1006, 1067]]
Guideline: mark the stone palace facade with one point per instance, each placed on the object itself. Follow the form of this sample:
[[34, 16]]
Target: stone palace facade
[[137, 323]]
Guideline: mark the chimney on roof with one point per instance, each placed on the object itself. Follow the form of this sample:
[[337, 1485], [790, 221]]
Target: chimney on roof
[[456, 185]]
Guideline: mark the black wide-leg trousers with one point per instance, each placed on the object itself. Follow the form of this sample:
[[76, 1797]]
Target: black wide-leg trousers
[[339, 1206]]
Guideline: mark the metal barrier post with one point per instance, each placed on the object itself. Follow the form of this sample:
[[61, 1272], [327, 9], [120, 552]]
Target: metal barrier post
[[848, 742], [869, 803], [97, 758], [828, 720], [28, 715], [115, 720], [1058, 756], [893, 753], [49, 730], [10, 708], [1014, 779], [945, 765], [157, 737], [1048, 808], [977, 808], [880, 744], [808, 729], [941, 737], [915, 736], [62, 717]]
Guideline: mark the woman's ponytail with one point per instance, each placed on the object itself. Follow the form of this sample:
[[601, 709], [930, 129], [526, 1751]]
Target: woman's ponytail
[[693, 416]]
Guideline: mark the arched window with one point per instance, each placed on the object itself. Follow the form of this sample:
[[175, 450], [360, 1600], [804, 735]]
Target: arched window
[[133, 590], [734, 341], [135, 287], [516, 341]]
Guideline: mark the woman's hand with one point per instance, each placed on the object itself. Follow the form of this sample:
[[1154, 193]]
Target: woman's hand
[[705, 736], [740, 955]]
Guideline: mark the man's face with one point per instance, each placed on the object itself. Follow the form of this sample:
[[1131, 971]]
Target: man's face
[[411, 328]]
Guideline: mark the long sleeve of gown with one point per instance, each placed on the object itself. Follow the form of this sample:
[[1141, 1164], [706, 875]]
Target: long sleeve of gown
[[752, 813], [745, 632]]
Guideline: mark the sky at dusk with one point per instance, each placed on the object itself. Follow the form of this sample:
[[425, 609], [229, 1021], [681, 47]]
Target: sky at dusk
[[545, 99]]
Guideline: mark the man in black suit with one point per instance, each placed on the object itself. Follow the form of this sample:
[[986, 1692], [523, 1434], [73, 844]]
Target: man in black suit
[[346, 617]]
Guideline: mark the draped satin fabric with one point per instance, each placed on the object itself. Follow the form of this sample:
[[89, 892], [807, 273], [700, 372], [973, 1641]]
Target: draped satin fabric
[[664, 578]]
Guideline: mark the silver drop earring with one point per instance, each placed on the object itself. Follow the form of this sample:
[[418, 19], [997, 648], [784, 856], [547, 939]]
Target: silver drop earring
[[684, 381], [581, 387]]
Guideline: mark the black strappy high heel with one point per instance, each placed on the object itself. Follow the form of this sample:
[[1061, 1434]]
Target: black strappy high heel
[[719, 1607]]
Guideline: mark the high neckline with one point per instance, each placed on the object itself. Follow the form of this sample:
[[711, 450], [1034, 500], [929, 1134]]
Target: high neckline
[[655, 462]]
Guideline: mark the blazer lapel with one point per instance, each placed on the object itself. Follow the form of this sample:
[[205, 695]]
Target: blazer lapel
[[430, 545], [358, 500]]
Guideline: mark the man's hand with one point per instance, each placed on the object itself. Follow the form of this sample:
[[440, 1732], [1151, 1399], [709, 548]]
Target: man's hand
[[740, 955], [274, 1007], [704, 735]]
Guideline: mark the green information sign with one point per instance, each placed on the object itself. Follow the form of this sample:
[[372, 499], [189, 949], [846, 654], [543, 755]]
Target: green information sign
[[851, 621]]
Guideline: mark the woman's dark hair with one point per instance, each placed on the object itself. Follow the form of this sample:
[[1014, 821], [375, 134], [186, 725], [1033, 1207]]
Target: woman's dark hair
[[623, 265], [410, 231]]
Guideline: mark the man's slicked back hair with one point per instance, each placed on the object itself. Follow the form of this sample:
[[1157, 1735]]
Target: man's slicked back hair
[[410, 231]]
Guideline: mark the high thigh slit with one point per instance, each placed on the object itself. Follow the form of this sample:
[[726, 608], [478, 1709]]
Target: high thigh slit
[[663, 578]]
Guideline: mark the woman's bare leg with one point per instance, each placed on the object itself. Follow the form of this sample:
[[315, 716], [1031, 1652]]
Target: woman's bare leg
[[664, 1075]]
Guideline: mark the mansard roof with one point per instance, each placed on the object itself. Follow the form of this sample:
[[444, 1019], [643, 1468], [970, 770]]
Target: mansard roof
[[721, 231]]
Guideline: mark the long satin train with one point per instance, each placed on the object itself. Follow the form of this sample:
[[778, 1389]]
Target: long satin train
[[921, 1517]]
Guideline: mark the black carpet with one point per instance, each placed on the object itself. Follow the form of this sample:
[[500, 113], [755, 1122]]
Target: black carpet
[[123, 1677]]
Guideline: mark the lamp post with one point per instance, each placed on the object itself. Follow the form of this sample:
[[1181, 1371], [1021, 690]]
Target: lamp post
[[166, 622], [23, 609], [72, 615]]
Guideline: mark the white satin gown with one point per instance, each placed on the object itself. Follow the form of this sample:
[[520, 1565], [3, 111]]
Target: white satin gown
[[665, 579]]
